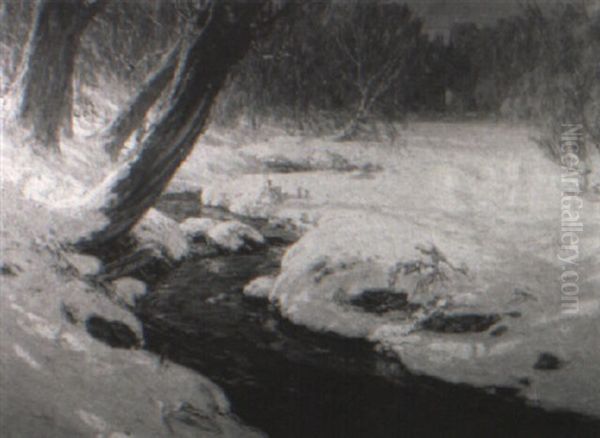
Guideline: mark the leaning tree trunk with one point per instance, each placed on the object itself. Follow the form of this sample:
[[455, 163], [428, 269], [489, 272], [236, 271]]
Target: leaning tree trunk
[[46, 82], [229, 28], [135, 112]]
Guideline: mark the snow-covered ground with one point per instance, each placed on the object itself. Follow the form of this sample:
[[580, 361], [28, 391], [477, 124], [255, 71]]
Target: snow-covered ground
[[55, 379], [461, 219]]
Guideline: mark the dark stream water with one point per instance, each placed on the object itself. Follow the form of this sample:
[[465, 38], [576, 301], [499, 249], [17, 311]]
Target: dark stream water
[[290, 382]]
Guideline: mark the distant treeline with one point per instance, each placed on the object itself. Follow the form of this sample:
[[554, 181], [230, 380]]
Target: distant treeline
[[325, 57]]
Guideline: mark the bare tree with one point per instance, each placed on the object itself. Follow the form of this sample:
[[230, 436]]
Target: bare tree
[[374, 42], [226, 30], [46, 79]]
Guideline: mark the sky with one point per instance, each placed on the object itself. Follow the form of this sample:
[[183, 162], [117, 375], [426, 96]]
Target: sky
[[439, 15]]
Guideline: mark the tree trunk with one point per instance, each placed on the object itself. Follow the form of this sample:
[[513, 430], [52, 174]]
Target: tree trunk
[[46, 82], [358, 122], [229, 28], [134, 113]]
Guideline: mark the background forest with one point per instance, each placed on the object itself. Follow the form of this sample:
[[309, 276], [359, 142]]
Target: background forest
[[329, 65]]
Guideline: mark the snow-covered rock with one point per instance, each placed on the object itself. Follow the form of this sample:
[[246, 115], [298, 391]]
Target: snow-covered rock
[[156, 229], [234, 236], [325, 272], [260, 287], [128, 290], [195, 227], [254, 196], [85, 264]]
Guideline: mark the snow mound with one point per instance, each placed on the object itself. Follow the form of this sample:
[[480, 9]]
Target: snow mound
[[156, 229], [251, 195], [235, 236], [85, 265], [128, 290], [346, 255], [195, 227], [260, 287]]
